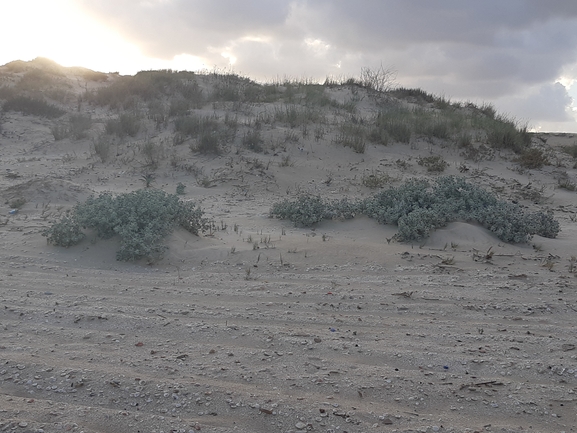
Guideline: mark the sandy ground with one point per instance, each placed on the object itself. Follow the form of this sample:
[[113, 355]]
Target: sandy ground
[[264, 327]]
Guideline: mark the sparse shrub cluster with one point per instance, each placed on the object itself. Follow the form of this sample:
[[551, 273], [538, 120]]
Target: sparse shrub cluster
[[125, 124], [376, 179], [253, 140], [77, 127], [32, 106], [193, 126], [179, 107], [433, 164], [431, 125], [464, 140], [60, 131], [393, 123], [100, 146], [564, 182], [532, 158], [17, 202], [95, 76], [209, 134], [231, 88], [400, 124], [141, 219], [413, 95], [418, 208], [291, 114], [149, 85], [378, 80], [152, 152], [502, 132], [36, 79], [209, 142], [351, 135], [7, 92], [570, 149]]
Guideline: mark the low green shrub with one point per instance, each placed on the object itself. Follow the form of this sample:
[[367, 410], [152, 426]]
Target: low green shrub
[[453, 199], [141, 219], [418, 207], [65, 233], [305, 211]]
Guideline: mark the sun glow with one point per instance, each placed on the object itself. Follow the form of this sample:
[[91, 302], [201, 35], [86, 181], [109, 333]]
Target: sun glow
[[60, 31]]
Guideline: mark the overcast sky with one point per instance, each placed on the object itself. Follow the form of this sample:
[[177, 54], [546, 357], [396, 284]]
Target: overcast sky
[[520, 55]]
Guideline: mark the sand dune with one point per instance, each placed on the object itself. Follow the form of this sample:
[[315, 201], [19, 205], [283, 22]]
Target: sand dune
[[261, 326]]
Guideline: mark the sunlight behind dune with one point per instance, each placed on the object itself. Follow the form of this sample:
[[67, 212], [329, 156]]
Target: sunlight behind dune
[[59, 30]]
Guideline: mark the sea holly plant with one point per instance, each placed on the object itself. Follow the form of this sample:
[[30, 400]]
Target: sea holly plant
[[142, 219], [418, 208]]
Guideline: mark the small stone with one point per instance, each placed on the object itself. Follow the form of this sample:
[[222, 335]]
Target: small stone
[[23, 424], [300, 425], [435, 428]]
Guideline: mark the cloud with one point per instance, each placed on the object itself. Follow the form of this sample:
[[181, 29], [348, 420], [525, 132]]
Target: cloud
[[167, 28], [547, 103]]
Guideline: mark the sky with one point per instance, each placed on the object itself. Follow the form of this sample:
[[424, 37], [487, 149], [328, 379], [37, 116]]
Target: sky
[[519, 55]]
